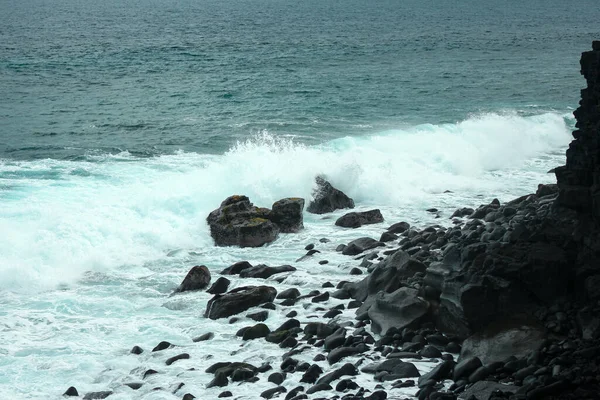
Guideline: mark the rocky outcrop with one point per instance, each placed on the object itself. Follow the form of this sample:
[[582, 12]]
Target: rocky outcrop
[[358, 219], [237, 222], [579, 180], [238, 300], [326, 198]]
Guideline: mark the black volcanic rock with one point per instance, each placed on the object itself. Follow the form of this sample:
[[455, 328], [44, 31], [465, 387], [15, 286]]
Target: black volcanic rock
[[239, 300], [358, 219], [287, 214], [326, 198], [237, 222], [197, 278]]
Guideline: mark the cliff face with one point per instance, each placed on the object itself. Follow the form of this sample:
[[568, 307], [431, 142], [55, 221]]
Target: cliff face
[[579, 179]]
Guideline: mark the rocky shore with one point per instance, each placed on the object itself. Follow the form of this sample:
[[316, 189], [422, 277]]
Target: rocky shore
[[503, 303]]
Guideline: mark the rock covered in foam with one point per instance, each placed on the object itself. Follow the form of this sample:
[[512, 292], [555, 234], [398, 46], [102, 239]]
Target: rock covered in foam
[[326, 198]]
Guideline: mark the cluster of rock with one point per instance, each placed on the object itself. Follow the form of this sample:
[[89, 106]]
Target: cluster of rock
[[237, 222], [506, 301]]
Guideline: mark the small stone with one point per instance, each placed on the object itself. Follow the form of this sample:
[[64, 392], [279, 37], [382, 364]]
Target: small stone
[[204, 337], [162, 346], [183, 356], [71, 392], [136, 350]]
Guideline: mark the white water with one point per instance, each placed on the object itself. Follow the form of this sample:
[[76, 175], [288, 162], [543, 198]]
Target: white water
[[91, 250]]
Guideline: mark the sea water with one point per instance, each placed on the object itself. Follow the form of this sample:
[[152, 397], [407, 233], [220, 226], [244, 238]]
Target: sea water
[[123, 124]]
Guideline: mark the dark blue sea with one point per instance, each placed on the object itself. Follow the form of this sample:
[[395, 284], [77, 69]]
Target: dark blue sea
[[124, 123]]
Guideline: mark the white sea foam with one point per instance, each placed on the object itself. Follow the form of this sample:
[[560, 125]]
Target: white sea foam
[[118, 233]]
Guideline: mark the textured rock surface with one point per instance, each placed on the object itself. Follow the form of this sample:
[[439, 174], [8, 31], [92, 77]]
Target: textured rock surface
[[237, 222], [326, 198]]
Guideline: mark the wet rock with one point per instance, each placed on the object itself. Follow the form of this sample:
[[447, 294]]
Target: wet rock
[[97, 395], [204, 337], [264, 272], [441, 371], [320, 298], [136, 350], [162, 346], [319, 388], [360, 245], [224, 394], [182, 356], [287, 214], [399, 227], [276, 378], [269, 393], [256, 331], [430, 352], [237, 222], [236, 268], [239, 300], [311, 374], [71, 392], [345, 370], [388, 237], [465, 367], [326, 198], [149, 372], [291, 293], [197, 278], [399, 309], [134, 385], [259, 316], [358, 219], [343, 352], [219, 286]]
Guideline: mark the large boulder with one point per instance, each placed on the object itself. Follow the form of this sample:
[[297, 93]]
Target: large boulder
[[326, 198], [237, 222], [358, 219], [387, 276], [399, 309], [287, 214], [239, 300], [197, 278]]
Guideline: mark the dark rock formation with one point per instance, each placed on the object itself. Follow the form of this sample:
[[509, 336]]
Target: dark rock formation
[[237, 222], [399, 309], [238, 300], [326, 198], [287, 214], [579, 180], [358, 219], [197, 278]]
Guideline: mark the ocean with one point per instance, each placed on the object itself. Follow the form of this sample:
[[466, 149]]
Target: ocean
[[123, 124]]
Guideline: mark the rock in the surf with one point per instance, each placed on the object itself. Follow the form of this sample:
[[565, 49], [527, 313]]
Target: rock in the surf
[[326, 198], [358, 219], [287, 214], [237, 222], [239, 300], [197, 278]]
